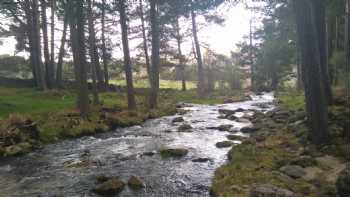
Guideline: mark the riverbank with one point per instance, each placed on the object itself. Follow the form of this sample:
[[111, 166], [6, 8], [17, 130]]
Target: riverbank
[[278, 159], [30, 118]]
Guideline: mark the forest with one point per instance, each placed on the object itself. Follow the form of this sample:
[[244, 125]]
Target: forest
[[140, 98]]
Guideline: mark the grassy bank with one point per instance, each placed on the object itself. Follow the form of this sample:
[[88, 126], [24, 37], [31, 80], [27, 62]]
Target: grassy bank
[[56, 117], [279, 157]]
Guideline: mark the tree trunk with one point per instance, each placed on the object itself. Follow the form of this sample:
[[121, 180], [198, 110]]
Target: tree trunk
[[53, 9], [321, 29], [37, 46], [127, 59], [93, 55], [104, 50], [155, 55], [77, 20], [347, 34], [200, 73], [316, 105], [181, 60], [48, 69], [61, 52], [144, 36]]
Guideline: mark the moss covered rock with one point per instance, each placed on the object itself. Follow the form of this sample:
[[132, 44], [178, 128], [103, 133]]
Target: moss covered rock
[[135, 182], [110, 187], [173, 152], [343, 183]]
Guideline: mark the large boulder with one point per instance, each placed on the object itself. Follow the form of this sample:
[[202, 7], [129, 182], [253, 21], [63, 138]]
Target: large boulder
[[225, 127], [343, 183], [110, 187], [267, 190], [178, 119], [293, 171]]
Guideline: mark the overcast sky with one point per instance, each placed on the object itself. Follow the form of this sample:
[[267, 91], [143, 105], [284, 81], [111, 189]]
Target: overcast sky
[[221, 39]]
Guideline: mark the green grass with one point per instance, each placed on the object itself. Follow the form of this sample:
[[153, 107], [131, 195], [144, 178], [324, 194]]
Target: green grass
[[292, 100], [164, 84], [57, 117]]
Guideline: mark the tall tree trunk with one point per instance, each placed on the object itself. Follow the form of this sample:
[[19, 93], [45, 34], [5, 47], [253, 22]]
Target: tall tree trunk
[[200, 87], [181, 59], [316, 105], [155, 55], [144, 37], [53, 9], [347, 33], [77, 21], [104, 50], [37, 45], [321, 29], [59, 71], [127, 59], [93, 54], [48, 69]]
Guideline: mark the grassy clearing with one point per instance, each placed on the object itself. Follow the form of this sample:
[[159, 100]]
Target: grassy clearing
[[57, 116], [292, 99], [164, 84]]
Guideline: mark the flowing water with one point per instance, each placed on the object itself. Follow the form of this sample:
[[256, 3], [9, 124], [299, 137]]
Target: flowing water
[[56, 170]]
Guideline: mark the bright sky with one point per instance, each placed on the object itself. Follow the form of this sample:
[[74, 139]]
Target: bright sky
[[221, 39]]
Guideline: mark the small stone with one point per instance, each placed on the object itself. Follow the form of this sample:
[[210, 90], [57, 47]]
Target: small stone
[[201, 160], [224, 144], [178, 119], [110, 187], [228, 100], [102, 178], [227, 112], [18, 149], [304, 161], [135, 182], [235, 137], [173, 152], [149, 154], [232, 117], [293, 171]]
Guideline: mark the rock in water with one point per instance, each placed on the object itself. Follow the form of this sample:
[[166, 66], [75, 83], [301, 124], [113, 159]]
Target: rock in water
[[224, 144], [343, 183], [225, 127], [293, 171], [173, 152], [235, 137], [267, 190], [201, 160], [185, 128], [178, 119], [135, 182], [110, 187]]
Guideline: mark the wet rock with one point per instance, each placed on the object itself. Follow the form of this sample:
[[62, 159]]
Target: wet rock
[[227, 112], [149, 154], [17, 149], [110, 187], [229, 100], [178, 119], [232, 117], [268, 190], [201, 160], [102, 178], [304, 161], [243, 120], [260, 136], [343, 183], [135, 182], [298, 116], [225, 127], [173, 152], [293, 171], [262, 105], [224, 144], [168, 131], [235, 137], [239, 110], [185, 128], [182, 111], [249, 129], [182, 105]]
